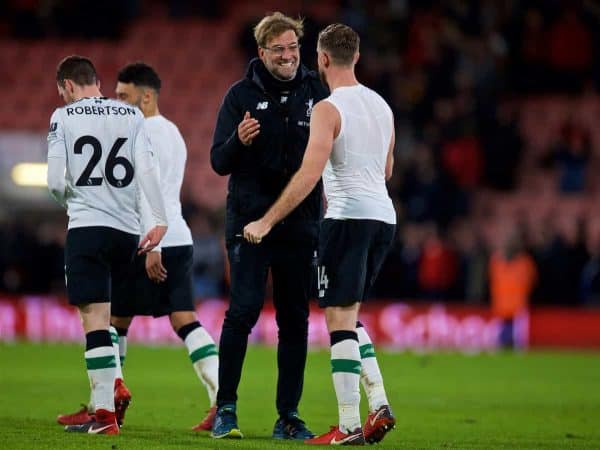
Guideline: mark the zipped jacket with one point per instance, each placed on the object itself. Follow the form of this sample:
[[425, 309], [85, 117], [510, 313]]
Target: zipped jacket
[[259, 172]]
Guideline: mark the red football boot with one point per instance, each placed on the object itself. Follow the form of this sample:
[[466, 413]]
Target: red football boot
[[77, 418], [122, 400], [104, 423], [337, 437], [207, 422], [378, 424]]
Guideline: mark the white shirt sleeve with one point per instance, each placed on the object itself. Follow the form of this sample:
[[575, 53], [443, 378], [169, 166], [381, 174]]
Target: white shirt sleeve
[[146, 218], [146, 175], [57, 159]]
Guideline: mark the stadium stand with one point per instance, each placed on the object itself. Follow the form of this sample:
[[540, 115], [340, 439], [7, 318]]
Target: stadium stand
[[496, 130]]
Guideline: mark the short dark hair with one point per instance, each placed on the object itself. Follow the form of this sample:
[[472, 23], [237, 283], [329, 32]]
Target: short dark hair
[[140, 74], [341, 42], [78, 69]]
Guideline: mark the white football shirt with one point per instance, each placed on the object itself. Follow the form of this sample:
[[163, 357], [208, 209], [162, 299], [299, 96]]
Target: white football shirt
[[98, 157], [354, 176], [171, 153]]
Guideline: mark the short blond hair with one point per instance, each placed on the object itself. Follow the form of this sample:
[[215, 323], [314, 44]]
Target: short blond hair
[[275, 24]]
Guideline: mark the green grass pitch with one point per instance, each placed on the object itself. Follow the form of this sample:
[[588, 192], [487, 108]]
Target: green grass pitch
[[535, 400]]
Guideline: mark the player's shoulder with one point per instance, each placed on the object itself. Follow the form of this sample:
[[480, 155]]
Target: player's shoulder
[[241, 88], [57, 115], [165, 128], [378, 98], [372, 92], [160, 123], [121, 104]]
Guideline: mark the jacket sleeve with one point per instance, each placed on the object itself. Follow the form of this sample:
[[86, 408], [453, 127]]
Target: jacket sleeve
[[226, 147]]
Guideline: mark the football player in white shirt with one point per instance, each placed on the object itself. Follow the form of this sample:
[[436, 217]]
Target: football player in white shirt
[[351, 144], [160, 281], [98, 158]]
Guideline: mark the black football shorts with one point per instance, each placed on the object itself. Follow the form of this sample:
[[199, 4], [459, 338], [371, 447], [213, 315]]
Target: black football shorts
[[95, 259], [351, 253]]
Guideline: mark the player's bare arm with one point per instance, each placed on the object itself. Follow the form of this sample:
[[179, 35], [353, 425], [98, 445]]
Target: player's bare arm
[[324, 126], [389, 164]]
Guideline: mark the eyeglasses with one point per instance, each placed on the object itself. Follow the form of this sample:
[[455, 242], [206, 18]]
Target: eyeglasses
[[280, 49]]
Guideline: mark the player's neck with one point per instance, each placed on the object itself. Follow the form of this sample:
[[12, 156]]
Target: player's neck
[[341, 78], [87, 91], [150, 111]]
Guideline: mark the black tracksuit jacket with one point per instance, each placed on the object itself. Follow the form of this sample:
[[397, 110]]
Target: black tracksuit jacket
[[260, 172]]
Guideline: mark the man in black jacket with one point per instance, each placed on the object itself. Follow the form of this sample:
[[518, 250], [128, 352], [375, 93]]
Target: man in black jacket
[[260, 137]]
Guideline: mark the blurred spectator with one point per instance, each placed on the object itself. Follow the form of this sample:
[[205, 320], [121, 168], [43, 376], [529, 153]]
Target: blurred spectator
[[547, 251], [530, 73], [202, 8], [590, 280], [410, 255], [570, 50], [464, 79], [473, 254], [590, 275], [437, 267], [27, 20], [209, 258], [502, 147], [421, 188], [513, 275], [36, 19], [570, 154], [574, 257], [32, 259], [463, 161]]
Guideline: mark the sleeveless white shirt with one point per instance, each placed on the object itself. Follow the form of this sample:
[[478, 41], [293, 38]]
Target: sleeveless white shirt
[[354, 177]]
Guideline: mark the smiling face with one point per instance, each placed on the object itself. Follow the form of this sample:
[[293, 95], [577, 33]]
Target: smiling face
[[281, 55]]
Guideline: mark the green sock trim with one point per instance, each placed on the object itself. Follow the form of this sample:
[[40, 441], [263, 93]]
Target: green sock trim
[[203, 352], [345, 365], [367, 351], [101, 362], [122, 359]]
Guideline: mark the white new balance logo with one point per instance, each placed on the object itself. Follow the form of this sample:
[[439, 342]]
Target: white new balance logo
[[262, 105]]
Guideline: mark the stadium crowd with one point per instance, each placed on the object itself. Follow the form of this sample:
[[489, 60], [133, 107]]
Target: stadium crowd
[[456, 73]]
